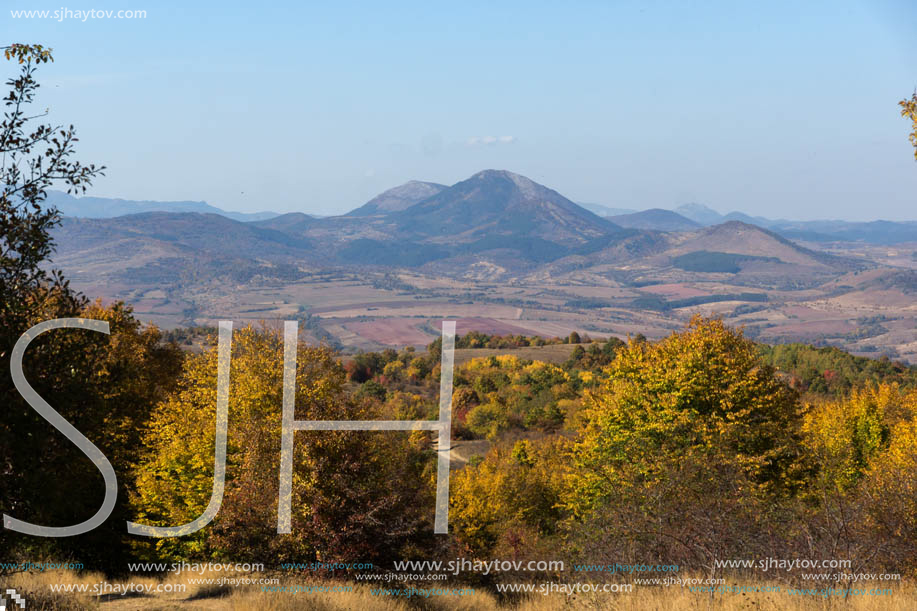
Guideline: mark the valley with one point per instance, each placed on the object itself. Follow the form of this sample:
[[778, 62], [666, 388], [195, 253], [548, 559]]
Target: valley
[[502, 255]]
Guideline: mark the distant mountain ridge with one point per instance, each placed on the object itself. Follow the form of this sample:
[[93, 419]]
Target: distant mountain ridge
[[871, 232], [607, 210], [104, 207], [657, 219], [494, 224], [700, 214], [400, 199], [494, 215]]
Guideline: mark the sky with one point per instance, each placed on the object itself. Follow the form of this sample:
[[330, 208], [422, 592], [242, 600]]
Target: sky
[[780, 109]]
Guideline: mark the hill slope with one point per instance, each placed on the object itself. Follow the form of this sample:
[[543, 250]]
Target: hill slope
[[735, 237], [398, 198]]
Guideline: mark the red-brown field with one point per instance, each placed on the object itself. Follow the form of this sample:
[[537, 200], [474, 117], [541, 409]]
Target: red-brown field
[[491, 326], [392, 331]]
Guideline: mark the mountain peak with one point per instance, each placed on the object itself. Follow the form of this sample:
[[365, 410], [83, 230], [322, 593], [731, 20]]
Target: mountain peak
[[398, 198], [495, 203], [526, 185]]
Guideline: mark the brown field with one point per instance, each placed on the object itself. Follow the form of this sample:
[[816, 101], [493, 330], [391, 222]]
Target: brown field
[[491, 326], [392, 331]]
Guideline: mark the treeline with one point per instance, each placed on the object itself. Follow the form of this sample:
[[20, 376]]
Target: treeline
[[831, 371], [717, 262], [660, 304]]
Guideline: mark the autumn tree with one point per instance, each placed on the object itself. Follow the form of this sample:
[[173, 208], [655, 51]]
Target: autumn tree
[[889, 499], [356, 495], [859, 501], [909, 111], [683, 444], [510, 502]]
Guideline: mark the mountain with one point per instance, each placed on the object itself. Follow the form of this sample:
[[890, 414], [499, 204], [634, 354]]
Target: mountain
[[398, 198], [201, 232], [494, 215], [167, 250], [752, 244], [605, 210], [103, 207], [655, 219], [700, 214], [498, 206]]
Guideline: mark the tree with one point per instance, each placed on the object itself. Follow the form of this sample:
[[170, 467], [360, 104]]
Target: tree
[[702, 391], [684, 446], [356, 495], [44, 479], [909, 111], [511, 497], [890, 491], [105, 385], [861, 498], [33, 159]]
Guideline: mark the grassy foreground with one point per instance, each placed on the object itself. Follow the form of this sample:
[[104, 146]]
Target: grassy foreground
[[36, 588]]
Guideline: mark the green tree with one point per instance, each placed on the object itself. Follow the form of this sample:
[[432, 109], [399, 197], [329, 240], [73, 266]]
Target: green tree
[[34, 158]]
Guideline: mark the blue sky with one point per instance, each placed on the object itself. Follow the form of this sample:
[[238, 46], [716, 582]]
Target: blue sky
[[783, 109]]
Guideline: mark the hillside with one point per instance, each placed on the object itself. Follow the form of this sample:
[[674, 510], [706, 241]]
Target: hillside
[[735, 237], [398, 198]]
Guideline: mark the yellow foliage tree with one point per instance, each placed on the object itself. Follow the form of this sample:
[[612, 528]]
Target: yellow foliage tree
[[842, 436], [355, 494], [909, 111], [701, 393], [890, 494], [511, 498]]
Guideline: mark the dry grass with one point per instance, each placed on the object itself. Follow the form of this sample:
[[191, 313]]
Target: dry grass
[[35, 587]]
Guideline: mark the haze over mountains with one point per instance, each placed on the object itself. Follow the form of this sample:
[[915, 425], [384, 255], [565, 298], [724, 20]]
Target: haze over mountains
[[103, 207], [505, 254], [494, 224], [686, 217]]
